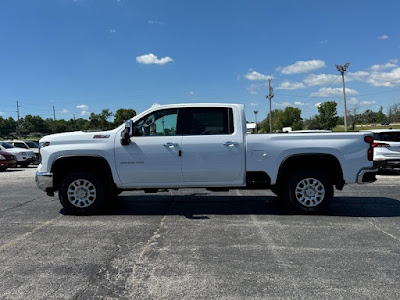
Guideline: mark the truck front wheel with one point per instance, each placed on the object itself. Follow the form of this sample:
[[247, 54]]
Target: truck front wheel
[[81, 193], [309, 191]]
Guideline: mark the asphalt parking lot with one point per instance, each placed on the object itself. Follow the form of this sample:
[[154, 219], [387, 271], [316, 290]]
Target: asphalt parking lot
[[196, 244]]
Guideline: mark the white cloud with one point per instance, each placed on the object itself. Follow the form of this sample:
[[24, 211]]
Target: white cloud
[[302, 67], [324, 42], [320, 79], [377, 76], [254, 88], [388, 79], [155, 22], [353, 101], [84, 109], [287, 85], [360, 76], [153, 59], [191, 93], [1, 113], [298, 103], [317, 104], [253, 104], [333, 92], [367, 102], [282, 104], [64, 111], [82, 106], [113, 31], [253, 75], [389, 65], [383, 37]]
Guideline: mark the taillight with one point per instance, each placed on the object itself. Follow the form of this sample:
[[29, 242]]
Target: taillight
[[383, 145], [370, 140]]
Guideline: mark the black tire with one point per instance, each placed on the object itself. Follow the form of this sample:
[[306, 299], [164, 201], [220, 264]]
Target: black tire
[[3, 169], [309, 191], [24, 165], [82, 193]]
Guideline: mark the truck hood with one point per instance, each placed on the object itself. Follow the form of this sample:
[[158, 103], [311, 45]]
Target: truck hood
[[78, 137]]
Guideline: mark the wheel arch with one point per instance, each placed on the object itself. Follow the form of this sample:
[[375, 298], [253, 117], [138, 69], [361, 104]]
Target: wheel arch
[[326, 163], [97, 165]]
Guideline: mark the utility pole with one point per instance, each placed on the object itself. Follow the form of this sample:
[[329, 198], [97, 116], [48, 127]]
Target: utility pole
[[18, 120], [74, 123], [54, 113], [343, 69], [270, 96], [255, 116]]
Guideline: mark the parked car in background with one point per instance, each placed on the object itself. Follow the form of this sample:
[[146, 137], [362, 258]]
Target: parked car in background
[[385, 122], [24, 156], [386, 148], [7, 160], [26, 144]]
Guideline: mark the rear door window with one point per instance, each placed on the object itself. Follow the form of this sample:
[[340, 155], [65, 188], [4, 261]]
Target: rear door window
[[207, 121]]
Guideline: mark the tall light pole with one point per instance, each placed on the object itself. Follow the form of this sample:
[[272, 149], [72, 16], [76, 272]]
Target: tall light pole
[[255, 116], [343, 69], [270, 96]]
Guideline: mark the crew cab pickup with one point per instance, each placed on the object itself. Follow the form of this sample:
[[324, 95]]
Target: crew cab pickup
[[200, 146]]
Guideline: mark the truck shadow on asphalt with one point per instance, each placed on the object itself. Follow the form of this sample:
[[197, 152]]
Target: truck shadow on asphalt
[[196, 206]]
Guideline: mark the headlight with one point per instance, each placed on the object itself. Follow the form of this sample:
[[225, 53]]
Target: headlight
[[23, 153], [44, 144], [2, 157]]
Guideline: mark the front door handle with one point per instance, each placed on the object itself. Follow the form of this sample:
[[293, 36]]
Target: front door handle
[[170, 145], [230, 144]]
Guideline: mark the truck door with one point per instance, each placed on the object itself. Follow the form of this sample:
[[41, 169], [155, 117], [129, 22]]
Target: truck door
[[212, 148], [152, 158]]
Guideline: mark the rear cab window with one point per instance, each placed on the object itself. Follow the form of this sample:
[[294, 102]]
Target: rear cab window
[[389, 136]]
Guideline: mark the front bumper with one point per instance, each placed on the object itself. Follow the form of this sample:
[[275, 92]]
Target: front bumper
[[44, 181], [367, 175]]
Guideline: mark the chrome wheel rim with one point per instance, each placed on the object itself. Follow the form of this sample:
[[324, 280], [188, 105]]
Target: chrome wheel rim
[[81, 193], [310, 192]]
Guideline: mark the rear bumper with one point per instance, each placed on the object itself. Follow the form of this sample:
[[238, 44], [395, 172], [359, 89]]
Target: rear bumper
[[390, 163], [367, 175], [44, 181]]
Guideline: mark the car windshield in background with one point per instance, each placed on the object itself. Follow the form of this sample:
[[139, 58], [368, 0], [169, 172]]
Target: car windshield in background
[[32, 145], [6, 145]]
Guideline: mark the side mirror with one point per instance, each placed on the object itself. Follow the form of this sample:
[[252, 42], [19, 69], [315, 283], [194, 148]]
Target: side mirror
[[127, 133]]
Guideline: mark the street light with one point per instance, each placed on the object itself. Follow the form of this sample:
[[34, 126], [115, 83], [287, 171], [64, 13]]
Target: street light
[[255, 116], [343, 69]]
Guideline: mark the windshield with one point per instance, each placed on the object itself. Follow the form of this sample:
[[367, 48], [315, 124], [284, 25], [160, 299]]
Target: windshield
[[6, 145], [32, 145]]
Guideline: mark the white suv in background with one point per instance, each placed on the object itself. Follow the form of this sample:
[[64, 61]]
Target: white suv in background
[[26, 144], [386, 148], [24, 156]]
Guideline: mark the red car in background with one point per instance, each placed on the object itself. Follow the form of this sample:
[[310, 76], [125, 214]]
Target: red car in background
[[7, 160]]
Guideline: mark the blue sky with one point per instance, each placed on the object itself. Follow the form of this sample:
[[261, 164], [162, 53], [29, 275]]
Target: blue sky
[[83, 56]]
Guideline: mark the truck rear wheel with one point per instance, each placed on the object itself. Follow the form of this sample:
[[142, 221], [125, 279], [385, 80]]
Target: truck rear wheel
[[82, 193], [309, 191]]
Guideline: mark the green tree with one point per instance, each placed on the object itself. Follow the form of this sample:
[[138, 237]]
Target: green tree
[[380, 116], [327, 115], [100, 121], [31, 124], [7, 126], [289, 117], [122, 115]]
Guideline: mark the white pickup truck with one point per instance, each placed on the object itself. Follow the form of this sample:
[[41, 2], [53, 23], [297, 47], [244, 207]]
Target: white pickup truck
[[202, 146]]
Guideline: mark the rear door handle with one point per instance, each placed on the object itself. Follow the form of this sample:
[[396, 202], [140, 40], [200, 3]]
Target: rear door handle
[[170, 145], [230, 144]]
